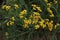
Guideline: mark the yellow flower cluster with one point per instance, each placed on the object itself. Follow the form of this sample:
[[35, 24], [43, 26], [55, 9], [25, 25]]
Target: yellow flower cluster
[[10, 23], [49, 4], [35, 15], [22, 13], [50, 11], [50, 25], [6, 7], [35, 7], [26, 23], [16, 6], [34, 18], [42, 24]]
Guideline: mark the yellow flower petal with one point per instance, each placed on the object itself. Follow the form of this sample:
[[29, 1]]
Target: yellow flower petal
[[37, 26]]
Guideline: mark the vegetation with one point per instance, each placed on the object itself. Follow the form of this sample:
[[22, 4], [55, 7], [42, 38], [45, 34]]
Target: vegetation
[[29, 19]]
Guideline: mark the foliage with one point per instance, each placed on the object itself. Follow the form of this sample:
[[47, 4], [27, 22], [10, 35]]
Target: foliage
[[22, 19]]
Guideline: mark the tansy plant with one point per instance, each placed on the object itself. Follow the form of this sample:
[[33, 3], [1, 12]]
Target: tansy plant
[[29, 16]]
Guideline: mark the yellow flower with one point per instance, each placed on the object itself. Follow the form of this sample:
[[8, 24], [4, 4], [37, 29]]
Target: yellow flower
[[36, 15], [3, 7], [25, 26], [42, 24], [50, 11], [52, 15], [11, 23], [34, 5], [21, 16], [16, 6], [46, 0], [46, 19], [39, 9], [23, 12], [50, 26], [51, 21], [27, 21], [46, 22], [35, 21], [56, 25], [37, 26], [7, 7], [30, 21], [7, 24], [49, 4], [34, 8], [12, 18]]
